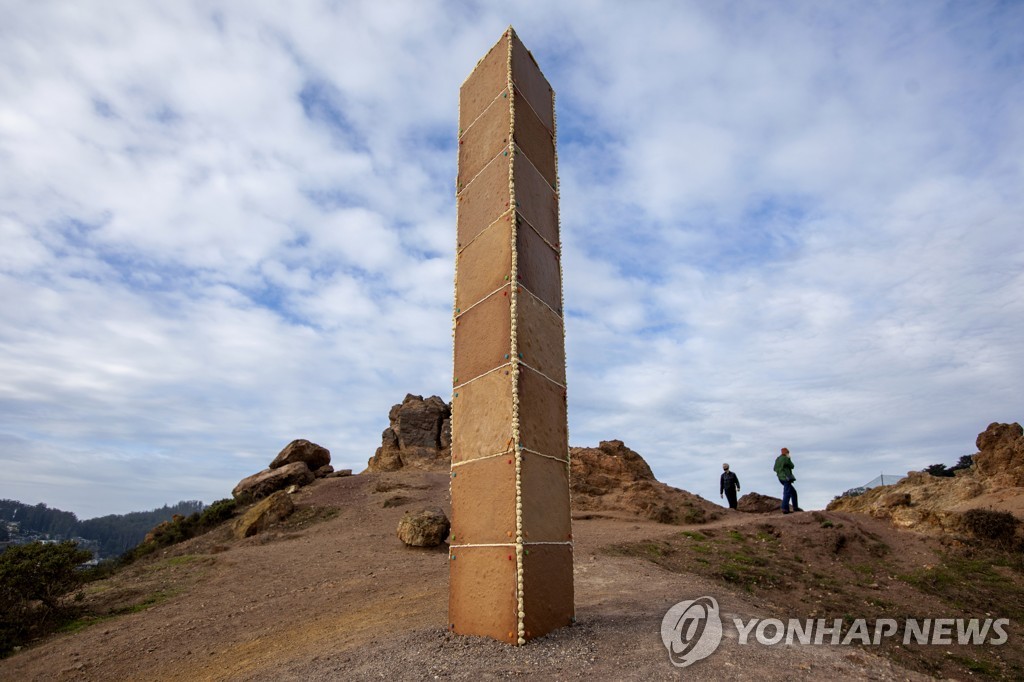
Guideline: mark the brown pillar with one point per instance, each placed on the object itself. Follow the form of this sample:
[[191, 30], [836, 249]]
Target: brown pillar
[[511, 545]]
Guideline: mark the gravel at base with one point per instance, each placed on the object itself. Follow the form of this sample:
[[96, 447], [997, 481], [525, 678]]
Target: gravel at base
[[618, 648]]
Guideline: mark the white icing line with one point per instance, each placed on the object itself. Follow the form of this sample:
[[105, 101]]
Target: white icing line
[[541, 454], [520, 603], [537, 371], [485, 544], [482, 112], [527, 544], [481, 60], [555, 191], [561, 286], [527, 100], [463, 312], [482, 375], [503, 453], [460, 249], [542, 237], [460, 190], [541, 301]]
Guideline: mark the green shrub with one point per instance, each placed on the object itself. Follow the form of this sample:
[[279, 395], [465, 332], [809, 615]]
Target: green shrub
[[34, 579], [181, 528], [999, 528], [217, 513]]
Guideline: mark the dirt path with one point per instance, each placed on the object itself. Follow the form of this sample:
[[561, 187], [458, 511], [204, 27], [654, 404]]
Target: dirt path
[[343, 599]]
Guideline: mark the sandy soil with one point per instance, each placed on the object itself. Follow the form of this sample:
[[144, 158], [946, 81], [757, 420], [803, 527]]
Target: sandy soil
[[342, 598]]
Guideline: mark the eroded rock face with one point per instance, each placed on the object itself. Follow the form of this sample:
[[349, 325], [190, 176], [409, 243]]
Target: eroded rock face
[[426, 528], [1000, 455], [596, 471], [267, 512], [611, 477], [932, 503], [268, 481], [301, 450], [756, 503], [418, 436]]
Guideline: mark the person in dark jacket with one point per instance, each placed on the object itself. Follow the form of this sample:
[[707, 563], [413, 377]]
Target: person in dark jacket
[[784, 470], [728, 485]]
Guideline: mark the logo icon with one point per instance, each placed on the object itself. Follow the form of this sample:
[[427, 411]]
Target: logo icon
[[691, 631]]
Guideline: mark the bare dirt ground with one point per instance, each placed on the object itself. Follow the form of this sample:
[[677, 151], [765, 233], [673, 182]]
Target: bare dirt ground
[[332, 594]]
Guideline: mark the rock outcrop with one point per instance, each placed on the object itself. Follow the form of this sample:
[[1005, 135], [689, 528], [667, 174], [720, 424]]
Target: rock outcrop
[[1000, 458], [418, 436], [265, 513], [756, 503], [933, 503], [297, 464], [301, 450], [611, 477], [426, 528], [264, 483]]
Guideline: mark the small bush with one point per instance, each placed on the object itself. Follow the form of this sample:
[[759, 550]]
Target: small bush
[[835, 542], [999, 528], [217, 513], [34, 580], [181, 528], [939, 470]]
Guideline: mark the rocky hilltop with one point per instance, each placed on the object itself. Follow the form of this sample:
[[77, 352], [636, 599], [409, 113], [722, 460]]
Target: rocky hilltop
[[611, 477], [418, 436], [994, 482], [608, 478], [334, 577]]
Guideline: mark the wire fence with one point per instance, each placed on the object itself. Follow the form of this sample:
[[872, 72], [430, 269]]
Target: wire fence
[[882, 479]]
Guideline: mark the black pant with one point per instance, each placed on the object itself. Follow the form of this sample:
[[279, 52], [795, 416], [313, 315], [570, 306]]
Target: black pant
[[730, 494]]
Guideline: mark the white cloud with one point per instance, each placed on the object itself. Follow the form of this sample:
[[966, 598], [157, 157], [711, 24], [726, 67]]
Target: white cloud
[[226, 227]]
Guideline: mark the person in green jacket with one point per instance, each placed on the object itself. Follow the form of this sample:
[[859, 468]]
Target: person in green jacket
[[784, 470]]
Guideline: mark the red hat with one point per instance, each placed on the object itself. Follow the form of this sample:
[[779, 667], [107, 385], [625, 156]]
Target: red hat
[[785, 450]]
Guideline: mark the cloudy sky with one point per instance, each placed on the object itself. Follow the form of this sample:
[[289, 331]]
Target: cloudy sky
[[227, 225]]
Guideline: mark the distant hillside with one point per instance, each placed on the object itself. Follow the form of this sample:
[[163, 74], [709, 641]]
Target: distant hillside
[[111, 535]]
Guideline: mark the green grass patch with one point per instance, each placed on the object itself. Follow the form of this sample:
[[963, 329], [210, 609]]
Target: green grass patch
[[977, 666], [79, 624], [149, 602], [85, 621]]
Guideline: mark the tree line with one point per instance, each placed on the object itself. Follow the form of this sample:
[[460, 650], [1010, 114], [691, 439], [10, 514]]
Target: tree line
[[115, 533]]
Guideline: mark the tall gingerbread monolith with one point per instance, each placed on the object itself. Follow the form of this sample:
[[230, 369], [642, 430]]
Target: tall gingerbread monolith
[[511, 542]]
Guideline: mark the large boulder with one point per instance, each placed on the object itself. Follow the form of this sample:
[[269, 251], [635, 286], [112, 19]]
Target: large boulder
[[611, 477], [1001, 454], [269, 481], [611, 465], [756, 503], [302, 450], [263, 514], [426, 528], [418, 436]]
